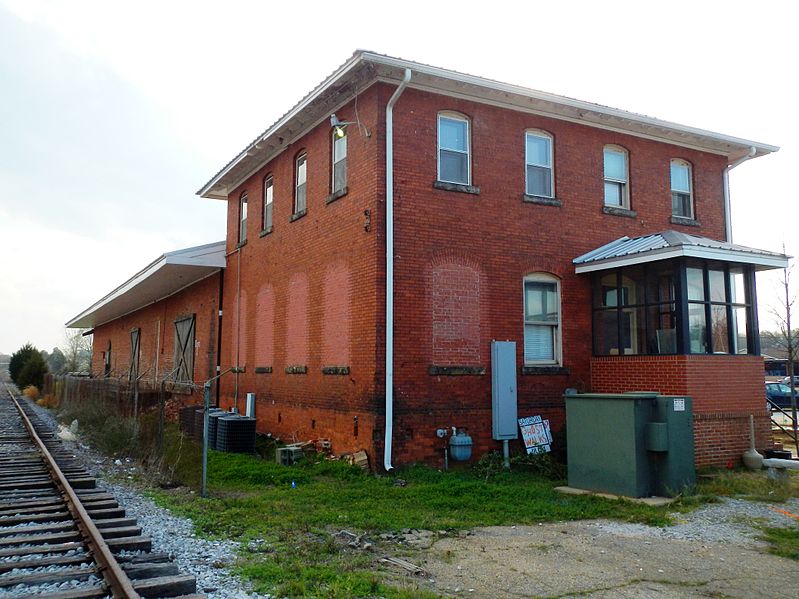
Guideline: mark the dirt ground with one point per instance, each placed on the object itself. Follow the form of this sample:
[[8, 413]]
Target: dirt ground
[[714, 553]]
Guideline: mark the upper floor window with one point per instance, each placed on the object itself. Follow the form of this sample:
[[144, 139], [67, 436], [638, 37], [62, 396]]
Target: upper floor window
[[616, 177], [541, 319], [681, 195], [243, 218], [300, 185], [538, 164], [453, 149], [268, 191], [339, 181]]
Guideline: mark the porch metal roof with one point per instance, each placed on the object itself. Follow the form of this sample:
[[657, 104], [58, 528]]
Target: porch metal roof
[[167, 275], [666, 245]]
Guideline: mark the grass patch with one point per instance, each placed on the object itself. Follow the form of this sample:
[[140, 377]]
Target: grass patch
[[286, 530], [746, 484], [784, 541]]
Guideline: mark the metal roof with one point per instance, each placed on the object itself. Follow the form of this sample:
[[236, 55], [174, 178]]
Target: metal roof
[[674, 244], [365, 68], [165, 276]]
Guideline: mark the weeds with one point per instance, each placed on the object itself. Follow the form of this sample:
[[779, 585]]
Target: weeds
[[784, 541]]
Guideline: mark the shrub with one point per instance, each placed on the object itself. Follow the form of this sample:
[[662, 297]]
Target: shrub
[[31, 392]]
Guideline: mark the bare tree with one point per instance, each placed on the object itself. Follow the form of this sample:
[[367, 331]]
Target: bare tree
[[77, 350], [787, 337]]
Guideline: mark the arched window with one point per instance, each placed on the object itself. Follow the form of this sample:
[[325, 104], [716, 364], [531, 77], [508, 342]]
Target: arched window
[[300, 183], [617, 189], [243, 218], [538, 173], [682, 201], [542, 338], [454, 161], [267, 215], [339, 158]]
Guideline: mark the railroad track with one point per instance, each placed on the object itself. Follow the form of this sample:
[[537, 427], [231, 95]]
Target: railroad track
[[61, 536]]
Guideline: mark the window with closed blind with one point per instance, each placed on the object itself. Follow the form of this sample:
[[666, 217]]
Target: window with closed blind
[[541, 319]]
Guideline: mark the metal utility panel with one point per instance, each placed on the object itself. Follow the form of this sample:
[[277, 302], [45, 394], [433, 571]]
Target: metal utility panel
[[504, 413], [674, 468]]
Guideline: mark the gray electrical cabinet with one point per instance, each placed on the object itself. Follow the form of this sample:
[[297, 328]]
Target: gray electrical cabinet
[[504, 414]]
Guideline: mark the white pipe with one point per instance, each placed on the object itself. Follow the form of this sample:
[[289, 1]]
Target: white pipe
[[780, 463], [726, 178], [390, 270]]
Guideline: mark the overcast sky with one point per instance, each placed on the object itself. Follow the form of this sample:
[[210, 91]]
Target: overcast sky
[[113, 114]]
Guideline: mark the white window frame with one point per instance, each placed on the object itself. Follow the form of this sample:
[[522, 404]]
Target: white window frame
[[541, 135], [623, 183], [334, 162], [454, 116], [268, 211], [243, 217], [557, 356], [301, 160], [687, 165]]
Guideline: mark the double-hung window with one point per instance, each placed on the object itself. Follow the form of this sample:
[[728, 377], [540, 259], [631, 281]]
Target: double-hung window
[[616, 177], [538, 164], [339, 181], [541, 319], [453, 149], [243, 218], [300, 185], [681, 196], [268, 191]]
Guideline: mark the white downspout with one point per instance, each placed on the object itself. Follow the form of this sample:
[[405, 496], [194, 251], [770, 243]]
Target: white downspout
[[390, 270], [727, 211]]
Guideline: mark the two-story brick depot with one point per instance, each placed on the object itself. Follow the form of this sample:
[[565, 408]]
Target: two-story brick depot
[[401, 216]]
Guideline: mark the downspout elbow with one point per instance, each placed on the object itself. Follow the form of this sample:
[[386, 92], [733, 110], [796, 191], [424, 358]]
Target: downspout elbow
[[389, 432]]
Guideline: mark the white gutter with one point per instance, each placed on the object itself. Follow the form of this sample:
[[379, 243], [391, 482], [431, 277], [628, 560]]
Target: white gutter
[[390, 270], [727, 210]]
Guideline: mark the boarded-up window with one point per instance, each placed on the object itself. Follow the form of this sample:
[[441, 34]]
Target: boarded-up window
[[135, 335], [184, 349]]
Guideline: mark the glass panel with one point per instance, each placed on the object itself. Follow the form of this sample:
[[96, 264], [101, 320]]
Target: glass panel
[[539, 343], [300, 203], [680, 177], [340, 175], [737, 285], [697, 331], [538, 150], [696, 286], [716, 280], [454, 167], [539, 181], [739, 337], [339, 148], [243, 217], [632, 282], [615, 165], [663, 334], [613, 193], [268, 216], [721, 341], [452, 134], [608, 293], [681, 205], [541, 302], [268, 190], [660, 283], [301, 170], [606, 332]]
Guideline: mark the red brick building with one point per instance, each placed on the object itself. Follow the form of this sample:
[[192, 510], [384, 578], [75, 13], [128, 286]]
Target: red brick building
[[596, 239]]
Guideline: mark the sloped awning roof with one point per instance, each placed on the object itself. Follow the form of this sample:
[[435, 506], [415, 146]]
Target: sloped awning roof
[[365, 68], [673, 244], [167, 275]]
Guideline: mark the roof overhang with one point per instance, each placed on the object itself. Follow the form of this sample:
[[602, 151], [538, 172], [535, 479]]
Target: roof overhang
[[166, 276], [365, 68], [670, 245]]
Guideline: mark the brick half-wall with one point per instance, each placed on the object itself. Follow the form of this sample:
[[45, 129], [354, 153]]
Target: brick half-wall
[[725, 389]]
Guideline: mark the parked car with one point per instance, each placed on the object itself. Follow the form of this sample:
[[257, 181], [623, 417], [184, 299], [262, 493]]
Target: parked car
[[779, 394], [787, 380]]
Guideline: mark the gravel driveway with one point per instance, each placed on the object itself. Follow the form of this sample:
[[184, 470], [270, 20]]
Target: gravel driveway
[[712, 552]]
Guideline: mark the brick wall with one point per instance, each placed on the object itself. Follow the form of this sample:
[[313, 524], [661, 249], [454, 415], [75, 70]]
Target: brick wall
[[725, 391], [157, 337]]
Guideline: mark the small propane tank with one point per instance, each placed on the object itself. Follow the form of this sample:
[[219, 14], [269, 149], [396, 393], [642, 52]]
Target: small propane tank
[[460, 446]]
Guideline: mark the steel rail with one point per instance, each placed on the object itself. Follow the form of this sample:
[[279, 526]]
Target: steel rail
[[118, 582]]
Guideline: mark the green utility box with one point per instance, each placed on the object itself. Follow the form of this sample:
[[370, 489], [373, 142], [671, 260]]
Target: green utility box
[[632, 444]]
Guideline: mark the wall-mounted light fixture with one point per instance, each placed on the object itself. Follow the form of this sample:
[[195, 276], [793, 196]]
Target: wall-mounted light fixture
[[340, 127]]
